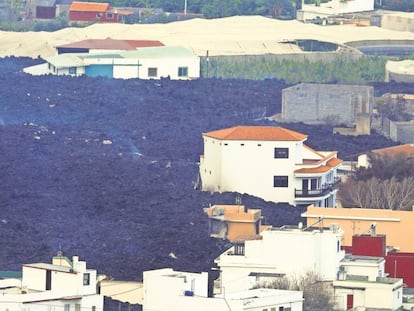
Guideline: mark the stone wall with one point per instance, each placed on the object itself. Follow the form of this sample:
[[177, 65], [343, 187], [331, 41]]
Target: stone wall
[[399, 131], [326, 103]]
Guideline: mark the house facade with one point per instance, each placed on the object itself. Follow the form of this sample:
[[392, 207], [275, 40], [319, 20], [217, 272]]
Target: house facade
[[362, 284], [334, 7], [96, 12], [269, 162], [62, 285], [283, 251], [234, 222], [177, 63], [164, 288], [396, 225]]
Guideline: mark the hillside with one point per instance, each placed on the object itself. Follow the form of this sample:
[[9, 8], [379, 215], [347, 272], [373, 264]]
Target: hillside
[[105, 169]]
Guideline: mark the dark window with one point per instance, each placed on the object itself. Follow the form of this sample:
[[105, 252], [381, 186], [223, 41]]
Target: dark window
[[281, 153], [152, 72], [183, 71], [314, 183], [48, 280], [280, 181], [98, 15], [72, 70], [86, 279], [109, 15]]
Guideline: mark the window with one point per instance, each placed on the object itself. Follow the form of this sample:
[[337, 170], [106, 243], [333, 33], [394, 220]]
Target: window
[[72, 70], [93, 308], [152, 72], [239, 249], [281, 153], [280, 181], [183, 71], [314, 183], [98, 15], [67, 307], [77, 307], [48, 280], [109, 15], [86, 279]]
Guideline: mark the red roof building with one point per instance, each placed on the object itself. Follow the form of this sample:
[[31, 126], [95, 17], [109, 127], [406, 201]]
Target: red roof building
[[86, 46], [96, 12]]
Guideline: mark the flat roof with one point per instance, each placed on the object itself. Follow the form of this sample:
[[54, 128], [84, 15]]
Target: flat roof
[[48, 266]]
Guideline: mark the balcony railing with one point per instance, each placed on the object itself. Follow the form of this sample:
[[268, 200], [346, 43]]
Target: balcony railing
[[320, 192]]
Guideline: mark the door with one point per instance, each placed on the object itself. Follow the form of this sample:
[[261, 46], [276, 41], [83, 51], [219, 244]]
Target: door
[[349, 302], [305, 186]]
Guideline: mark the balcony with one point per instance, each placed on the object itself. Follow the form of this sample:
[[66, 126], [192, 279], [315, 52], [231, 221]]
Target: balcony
[[314, 193]]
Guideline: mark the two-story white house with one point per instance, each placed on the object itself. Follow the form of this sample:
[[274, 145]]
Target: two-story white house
[[167, 289], [282, 252], [269, 162], [362, 283], [63, 285]]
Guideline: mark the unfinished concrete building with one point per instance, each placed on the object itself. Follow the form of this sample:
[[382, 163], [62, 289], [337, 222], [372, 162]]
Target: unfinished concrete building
[[328, 103]]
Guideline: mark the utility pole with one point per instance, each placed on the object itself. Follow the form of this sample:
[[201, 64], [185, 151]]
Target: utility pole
[[185, 7]]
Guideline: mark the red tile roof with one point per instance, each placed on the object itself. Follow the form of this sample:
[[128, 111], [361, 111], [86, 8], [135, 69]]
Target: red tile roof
[[111, 44], [260, 133], [407, 150], [89, 6]]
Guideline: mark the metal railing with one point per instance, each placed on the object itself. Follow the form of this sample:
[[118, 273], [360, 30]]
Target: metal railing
[[320, 192]]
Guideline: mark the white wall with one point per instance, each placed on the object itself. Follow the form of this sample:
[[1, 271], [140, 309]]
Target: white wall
[[166, 67], [353, 6], [210, 165], [375, 294], [285, 252], [163, 286], [248, 167]]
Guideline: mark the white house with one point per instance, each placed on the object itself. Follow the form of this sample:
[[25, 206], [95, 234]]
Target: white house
[[63, 285], [175, 62], [269, 162], [362, 283], [403, 152], [285, 251], [166, 289], [334, 7]]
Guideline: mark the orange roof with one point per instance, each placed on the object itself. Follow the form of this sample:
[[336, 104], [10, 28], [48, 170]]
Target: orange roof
[[312, 170], [89, 6], [267, 133], [320, 169], [334, 162], [407, 149]]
